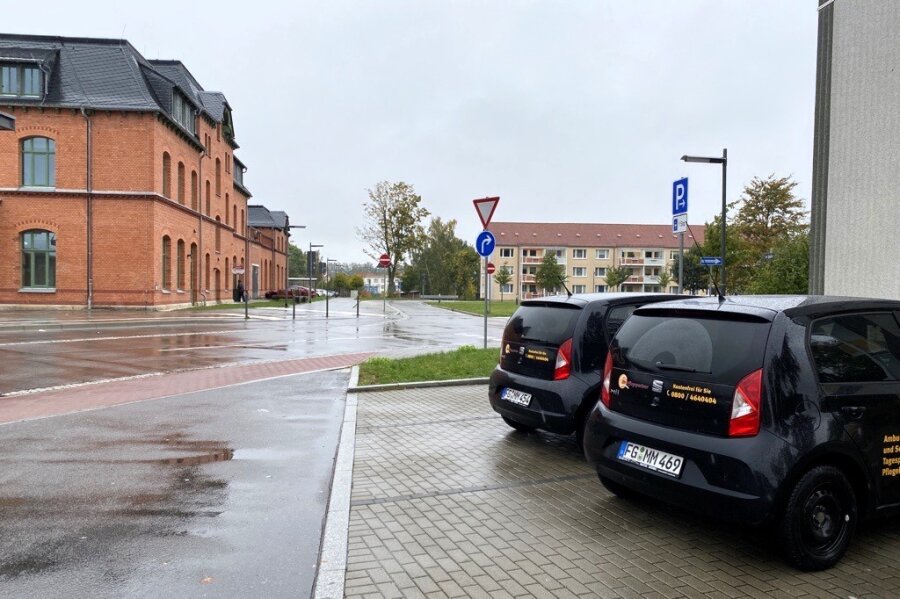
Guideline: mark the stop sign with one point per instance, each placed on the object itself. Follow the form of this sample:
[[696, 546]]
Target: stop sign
[[384, 261], [490, 268]]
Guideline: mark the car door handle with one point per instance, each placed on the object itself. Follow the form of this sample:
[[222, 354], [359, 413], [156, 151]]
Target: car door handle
[[853, 412]]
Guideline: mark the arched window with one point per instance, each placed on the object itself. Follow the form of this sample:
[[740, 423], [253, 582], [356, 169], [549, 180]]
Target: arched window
[[227, 270], [243, 228], [234, 217], [181, 183], [167, 175], [218, 177], [194, 190], [226, 207], [218, 234], [179, 267], [166, 262], [207, 198], [38, 162], [38, 259], [207, 273]]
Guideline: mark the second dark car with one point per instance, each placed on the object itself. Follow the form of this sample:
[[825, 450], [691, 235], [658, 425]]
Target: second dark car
[[552, 356]]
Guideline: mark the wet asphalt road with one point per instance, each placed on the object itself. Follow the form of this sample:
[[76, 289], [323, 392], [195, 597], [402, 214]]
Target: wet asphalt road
[[49, 357], [213, 494], [219, 493]]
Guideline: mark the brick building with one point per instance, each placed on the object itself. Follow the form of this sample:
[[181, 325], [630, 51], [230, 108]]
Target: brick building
[[586, 250], [120, 186]]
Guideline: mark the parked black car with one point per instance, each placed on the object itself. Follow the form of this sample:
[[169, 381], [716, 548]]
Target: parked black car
[[552, 355], [781, 410]]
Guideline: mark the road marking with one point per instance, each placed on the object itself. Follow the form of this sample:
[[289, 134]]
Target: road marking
[[117, 338]]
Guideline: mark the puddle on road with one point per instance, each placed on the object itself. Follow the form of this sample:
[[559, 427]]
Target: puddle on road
[[222, 455]]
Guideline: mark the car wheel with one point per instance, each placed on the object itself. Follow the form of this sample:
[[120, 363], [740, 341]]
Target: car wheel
[[581, 427], [819, 519], [522, 428], [619, 490]]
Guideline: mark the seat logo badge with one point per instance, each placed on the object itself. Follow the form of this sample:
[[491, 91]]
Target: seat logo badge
[[623, 381], [657, 386], [506, 351]]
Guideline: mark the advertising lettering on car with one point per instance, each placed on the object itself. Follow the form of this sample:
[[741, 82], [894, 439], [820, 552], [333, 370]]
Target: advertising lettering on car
[[891, 447], [691, 393]]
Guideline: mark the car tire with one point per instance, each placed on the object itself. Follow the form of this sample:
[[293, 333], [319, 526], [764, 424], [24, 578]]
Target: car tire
[[819, 519], [617, 489], [581, 426], [522, 428]]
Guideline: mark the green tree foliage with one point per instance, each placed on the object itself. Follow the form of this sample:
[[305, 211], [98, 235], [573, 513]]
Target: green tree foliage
[[696, 276], [340, 282], [550, 275], [393, 224], [297, 261], [357, 282], [786, 268], [736, 261], [665, 279], [443, 264], [617, 275], [502, 277], [769, 214]]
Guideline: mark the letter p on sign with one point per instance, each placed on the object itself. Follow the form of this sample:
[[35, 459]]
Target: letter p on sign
[[680, 196]]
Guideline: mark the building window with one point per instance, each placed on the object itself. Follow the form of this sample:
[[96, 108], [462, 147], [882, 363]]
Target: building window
[[166, 262], [38, 162], [183, 112], [600, 271], [218, 177], [218, 234], [507, 252], [226, 207], [599, 288], [167, 175], [529, 253], [673, 255], [653, 254], [234, 217], [243, 228], [602, 255], [38, 259], [194, 191], [578, 288], [579, 254], [180, 183], [179, 265], [579, 271], [238, 174], [21, 80], [207, 198]]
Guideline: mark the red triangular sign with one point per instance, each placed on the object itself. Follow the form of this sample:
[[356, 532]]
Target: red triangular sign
[[485, 208]]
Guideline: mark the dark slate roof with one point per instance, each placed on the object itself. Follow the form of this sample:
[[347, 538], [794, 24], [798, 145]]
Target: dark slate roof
[[259, 216], [280, 218], [106, 74]]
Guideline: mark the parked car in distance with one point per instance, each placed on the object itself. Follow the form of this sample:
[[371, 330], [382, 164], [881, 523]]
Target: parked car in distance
[[552, 355], [293, 291], [762, 410]]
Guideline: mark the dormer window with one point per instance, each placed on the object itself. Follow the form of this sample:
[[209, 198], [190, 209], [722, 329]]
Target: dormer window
[[19, 80], [183, 112]]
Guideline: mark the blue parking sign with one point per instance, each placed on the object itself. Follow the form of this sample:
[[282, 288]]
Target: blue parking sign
[[680, 196]]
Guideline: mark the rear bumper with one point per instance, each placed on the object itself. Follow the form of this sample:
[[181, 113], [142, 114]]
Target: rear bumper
[[732, 479], [554, 404]]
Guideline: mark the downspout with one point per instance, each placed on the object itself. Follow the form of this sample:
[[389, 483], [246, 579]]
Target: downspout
[[90, 211], [200, 269]]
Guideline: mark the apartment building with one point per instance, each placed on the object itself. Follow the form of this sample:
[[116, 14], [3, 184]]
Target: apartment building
[[120, 185], [586, 251]]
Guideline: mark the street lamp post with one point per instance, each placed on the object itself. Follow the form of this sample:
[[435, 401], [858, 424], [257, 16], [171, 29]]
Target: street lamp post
[[724, 162]]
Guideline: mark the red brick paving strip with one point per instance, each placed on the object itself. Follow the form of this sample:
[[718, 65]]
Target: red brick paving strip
[[113, 393]]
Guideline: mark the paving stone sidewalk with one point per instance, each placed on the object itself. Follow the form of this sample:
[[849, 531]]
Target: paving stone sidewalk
[[448, 501]]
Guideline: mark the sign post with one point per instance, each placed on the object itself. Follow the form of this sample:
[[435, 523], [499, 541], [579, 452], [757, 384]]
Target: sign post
[[679, 223], [383, 262], [484, 245]]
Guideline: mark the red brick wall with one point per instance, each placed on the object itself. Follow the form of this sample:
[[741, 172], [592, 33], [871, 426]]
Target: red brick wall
[[130, 214]]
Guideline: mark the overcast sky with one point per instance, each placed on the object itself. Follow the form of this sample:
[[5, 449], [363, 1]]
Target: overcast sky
[[570, 111]]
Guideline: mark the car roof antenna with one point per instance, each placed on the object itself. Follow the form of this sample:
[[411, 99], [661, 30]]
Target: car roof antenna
[[568, 293], [696, 245]]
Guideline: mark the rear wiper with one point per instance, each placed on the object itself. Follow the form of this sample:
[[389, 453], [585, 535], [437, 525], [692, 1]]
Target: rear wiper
[[663, 366]]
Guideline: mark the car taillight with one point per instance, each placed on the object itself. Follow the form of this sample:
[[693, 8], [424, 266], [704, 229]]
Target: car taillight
[[607, 373], [745, 409], [563, 361]]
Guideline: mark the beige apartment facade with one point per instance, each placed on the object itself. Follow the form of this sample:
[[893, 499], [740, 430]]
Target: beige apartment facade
[[587, 251]]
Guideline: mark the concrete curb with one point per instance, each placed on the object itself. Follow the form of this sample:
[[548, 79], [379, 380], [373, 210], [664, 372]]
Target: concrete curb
[[87, 325], [484, 380], [332, 570]]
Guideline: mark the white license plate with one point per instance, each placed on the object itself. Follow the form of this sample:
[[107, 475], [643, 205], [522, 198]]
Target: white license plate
[[651, 459], [517, 397]]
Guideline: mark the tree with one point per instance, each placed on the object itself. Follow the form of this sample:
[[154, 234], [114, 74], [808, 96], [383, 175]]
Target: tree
[[664, 279], [297, 261], [502, 277], [786, 268], [393, 226], [739, 267], [550, 275], [443, 263], [357, 282], [769, 213], [616, 275], [340, 282], [696, 276]]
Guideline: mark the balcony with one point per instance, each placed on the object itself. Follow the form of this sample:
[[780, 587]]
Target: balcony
[[526, 278], [631, 261], [634, 279], [531, 260], [655, 261]]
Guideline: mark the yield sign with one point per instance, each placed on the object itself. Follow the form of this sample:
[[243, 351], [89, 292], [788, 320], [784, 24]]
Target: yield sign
[[485, 208]]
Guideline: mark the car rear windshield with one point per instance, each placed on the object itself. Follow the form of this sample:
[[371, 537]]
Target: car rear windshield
[[715, 349], [548, 325]]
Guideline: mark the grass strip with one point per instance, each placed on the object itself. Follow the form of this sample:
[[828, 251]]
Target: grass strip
[[505, 308], [463, 363]]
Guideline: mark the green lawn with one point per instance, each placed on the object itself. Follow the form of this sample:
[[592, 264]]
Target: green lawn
[[233, 306], [463, 363], [505, 308]]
